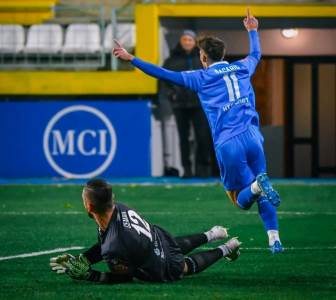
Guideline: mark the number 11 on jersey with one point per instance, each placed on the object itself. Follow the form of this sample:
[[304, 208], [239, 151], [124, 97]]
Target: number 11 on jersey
[[231, 82]]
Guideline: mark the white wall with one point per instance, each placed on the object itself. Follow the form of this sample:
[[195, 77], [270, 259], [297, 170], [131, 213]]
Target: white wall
[[308, 42]]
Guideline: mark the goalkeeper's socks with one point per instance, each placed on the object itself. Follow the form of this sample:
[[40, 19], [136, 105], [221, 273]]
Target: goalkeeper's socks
[[248, 195], [198, 262], [191, 242]]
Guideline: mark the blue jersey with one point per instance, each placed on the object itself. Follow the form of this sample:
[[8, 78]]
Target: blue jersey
[[227, 95], [224, 89]]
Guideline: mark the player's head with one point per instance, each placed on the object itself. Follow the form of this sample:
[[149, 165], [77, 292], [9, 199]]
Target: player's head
[[212, 49], [98, 197], [188, 40]]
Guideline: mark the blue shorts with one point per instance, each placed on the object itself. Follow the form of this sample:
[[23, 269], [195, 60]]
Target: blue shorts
[[241, 159]]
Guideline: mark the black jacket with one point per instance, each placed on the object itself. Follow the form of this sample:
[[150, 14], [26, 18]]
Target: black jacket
[[179, 60]]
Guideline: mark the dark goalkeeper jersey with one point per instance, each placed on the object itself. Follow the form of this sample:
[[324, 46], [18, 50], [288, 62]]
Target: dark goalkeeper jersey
[[150, 252]]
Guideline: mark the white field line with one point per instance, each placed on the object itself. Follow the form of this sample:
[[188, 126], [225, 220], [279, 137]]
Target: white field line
[[58, 250], [32, 254], [163, 213]]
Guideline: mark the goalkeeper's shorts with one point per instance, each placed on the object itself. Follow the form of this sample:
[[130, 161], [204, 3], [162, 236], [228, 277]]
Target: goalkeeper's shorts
[[163, 267]]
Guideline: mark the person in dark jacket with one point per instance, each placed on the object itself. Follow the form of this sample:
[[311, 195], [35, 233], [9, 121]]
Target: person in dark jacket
[[187, 108]]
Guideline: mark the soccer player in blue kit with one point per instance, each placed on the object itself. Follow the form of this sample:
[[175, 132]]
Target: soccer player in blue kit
[[228, 100]]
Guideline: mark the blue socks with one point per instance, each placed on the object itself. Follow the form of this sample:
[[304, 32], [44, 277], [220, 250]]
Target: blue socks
[[266, 210], [268, 214], [246, 198]]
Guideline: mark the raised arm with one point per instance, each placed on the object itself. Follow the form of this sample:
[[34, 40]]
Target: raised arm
[[251, 25], [255, 50], [148, 68], [158, 72]]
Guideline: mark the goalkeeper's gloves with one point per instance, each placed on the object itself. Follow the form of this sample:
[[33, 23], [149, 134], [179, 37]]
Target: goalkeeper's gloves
[[77, 267], [57, 263]]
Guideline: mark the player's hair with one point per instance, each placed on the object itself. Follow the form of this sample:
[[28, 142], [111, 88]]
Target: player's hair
[[214, 47], [100, 194]]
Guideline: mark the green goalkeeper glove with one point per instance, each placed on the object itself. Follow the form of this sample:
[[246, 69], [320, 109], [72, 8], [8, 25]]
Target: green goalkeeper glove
[[78, 267], [57, 263]]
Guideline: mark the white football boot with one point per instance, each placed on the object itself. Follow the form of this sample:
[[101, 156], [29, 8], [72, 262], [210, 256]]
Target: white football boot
[[216, 233], [231, 249]]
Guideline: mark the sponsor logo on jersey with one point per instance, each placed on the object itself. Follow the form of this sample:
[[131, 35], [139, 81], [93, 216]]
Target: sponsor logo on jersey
[[228, 106]]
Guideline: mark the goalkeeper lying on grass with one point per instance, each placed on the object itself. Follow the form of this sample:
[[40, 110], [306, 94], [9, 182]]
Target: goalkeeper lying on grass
[[133, 248]]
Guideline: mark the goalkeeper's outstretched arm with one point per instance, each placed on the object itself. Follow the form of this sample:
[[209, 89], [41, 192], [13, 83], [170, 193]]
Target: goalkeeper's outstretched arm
[[94, 254], [79, 268], [109, 277]]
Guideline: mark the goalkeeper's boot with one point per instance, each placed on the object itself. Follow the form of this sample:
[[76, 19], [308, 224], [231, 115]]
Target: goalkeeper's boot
[[216, 233], [276, 248], [265, 185], [231, 249]]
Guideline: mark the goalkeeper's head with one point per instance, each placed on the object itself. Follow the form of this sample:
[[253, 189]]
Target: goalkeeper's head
[[98, 197]]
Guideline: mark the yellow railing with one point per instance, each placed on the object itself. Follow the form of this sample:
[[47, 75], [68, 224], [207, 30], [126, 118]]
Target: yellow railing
[[26, 12]]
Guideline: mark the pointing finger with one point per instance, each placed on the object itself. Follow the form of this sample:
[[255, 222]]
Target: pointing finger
[[117, 43], [248, 13]]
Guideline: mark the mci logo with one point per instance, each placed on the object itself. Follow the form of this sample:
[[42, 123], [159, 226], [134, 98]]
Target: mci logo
[[79, 142]]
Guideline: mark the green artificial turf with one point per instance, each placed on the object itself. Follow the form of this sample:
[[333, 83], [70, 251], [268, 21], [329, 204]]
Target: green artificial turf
[[37, 218]]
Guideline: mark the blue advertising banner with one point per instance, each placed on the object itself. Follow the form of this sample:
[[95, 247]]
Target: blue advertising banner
[[77, 139]]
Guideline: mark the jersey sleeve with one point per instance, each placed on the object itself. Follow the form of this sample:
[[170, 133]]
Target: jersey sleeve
[[157, 72], [109, 277], [251, 61], [94, 254], [192, 79]]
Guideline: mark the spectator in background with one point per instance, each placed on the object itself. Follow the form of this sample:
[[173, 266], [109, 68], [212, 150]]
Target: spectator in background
[[187, 108]]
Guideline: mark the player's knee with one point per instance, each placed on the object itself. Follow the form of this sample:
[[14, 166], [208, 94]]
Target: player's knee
[[242, 203]]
